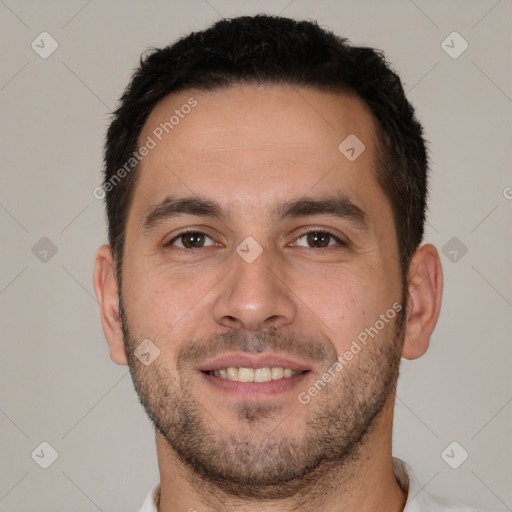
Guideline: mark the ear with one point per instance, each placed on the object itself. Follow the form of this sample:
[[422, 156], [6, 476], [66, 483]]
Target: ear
[[425, 289], [105, 286]]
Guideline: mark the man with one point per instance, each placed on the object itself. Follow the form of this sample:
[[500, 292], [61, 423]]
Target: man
[[266, 192]]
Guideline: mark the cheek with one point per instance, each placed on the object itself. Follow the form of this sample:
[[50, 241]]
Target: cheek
[[345, 302], [162, 303], [337, 301]]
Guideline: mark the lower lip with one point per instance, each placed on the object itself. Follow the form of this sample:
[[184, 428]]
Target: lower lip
[[255, 390]]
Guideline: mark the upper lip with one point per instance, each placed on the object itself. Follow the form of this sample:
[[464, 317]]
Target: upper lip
[[243, 360]]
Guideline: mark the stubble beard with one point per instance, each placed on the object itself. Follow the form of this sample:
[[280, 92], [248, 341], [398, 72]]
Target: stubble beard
[[258, 461]]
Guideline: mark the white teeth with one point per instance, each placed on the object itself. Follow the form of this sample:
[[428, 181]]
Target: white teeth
[[245, 375], [277, 373], [265, 374], [262, 375], [232, 373]]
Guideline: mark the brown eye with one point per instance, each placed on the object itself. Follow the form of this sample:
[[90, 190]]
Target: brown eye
[[190, 240], [320, 239]]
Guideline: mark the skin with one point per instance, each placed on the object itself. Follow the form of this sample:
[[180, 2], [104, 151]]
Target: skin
[[248, 156]]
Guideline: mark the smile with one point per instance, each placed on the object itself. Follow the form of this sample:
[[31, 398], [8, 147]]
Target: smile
[[265, 374]]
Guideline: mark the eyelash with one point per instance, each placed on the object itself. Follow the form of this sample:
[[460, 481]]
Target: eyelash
[[340, 242]]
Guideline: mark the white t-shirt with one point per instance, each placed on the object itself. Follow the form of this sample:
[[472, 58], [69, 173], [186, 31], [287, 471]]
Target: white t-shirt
[[418, 500]]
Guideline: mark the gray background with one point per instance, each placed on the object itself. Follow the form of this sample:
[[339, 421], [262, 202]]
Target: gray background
[[57, 382]]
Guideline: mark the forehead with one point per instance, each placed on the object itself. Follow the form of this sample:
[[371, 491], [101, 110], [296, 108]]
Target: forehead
[[248, 143]]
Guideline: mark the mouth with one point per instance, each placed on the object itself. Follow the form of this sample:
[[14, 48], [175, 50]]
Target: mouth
[[256, 376], [264, 374]]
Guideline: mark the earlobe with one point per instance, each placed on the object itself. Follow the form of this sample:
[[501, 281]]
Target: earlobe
[[425, 288], [105, 286]]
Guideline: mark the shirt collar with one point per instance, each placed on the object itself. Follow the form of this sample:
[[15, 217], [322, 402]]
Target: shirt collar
[[417, 499]]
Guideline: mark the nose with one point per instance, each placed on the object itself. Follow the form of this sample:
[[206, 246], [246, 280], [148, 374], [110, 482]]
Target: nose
[[255, 295]]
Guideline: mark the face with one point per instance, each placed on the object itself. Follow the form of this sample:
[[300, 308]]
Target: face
[[290, 255]]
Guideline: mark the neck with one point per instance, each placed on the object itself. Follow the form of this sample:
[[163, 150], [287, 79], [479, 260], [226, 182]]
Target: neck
[[365, 482]]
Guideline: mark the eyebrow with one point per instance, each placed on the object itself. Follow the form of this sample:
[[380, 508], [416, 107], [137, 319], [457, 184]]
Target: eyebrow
[[338, 205]]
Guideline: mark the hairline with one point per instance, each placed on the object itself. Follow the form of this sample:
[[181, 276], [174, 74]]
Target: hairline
[[382, 155]]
